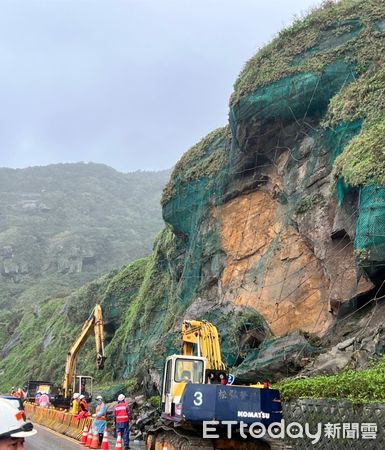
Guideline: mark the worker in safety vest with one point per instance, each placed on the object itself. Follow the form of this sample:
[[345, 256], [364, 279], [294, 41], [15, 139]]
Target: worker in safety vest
[[83, 408], [75, 404], [122, 416], [13, 427], [99, 423]]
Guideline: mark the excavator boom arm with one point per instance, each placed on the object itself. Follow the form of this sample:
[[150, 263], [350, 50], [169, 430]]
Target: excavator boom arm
[[94, 324], [205, 336]]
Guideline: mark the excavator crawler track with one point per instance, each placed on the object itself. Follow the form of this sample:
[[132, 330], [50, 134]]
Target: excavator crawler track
[[167, 438]]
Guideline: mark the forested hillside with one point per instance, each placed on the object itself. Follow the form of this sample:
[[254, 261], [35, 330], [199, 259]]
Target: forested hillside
[[64, 225]]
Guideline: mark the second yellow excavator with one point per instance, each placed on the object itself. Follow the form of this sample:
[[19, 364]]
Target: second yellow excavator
[[78, 383]]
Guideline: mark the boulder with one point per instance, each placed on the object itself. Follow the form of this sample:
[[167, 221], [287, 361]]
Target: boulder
[[275, 358]]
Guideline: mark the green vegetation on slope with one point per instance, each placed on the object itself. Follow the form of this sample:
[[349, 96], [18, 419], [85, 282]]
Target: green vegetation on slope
[[332, 32], [364, 386], [145, 317], [204, 159], [348, 32], [40, 341], [363, 160]]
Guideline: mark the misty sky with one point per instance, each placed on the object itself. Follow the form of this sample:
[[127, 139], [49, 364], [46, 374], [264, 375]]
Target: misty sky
[[131, 83]]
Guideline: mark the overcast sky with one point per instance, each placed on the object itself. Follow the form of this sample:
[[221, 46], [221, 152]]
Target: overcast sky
[[131, 83]]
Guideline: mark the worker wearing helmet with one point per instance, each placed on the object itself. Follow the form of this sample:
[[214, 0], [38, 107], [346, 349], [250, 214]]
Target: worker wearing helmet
[[122, 416], [99, 423], [75, 404], [83, 407], [13, 427]]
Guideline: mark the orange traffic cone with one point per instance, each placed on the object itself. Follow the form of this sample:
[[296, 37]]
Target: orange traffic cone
[[105, 440], [95, 440], [89, 438], [83, 440], [165, 445], [118, 441]]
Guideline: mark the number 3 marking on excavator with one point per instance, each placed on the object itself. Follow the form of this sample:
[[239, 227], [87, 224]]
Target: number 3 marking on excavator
[[198, 398]]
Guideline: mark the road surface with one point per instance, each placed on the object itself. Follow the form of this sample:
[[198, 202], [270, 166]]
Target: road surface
[[46, 439]]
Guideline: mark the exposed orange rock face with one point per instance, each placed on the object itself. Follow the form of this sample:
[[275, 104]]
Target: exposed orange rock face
[[270, 268], [249, 223]]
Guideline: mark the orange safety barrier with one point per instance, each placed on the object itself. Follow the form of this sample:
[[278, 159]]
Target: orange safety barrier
[[51, 419], [59, 425], [66, 423], [83, 423], [73, 429], [59, 421]]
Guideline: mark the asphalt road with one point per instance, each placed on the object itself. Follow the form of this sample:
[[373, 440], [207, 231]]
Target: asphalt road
[[49, 440]]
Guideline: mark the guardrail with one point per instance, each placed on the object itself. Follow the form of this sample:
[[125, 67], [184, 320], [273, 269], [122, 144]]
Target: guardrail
[[59, 421]]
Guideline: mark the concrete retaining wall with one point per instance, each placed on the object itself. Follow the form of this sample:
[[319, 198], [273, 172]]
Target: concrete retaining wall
[[336, 412]]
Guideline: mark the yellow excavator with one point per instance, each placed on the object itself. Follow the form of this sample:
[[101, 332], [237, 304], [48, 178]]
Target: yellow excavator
[[82, 384], [196, 389]]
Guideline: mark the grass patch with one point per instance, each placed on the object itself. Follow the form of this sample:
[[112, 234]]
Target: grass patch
[[204, 159], [359, 387], [363, 160]]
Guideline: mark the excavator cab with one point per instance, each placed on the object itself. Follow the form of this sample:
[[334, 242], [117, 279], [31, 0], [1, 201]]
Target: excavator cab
[[83, 385], [179, 371]]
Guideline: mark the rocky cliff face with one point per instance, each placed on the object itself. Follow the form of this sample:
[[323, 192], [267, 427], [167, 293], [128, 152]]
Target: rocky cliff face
[[274, 223]]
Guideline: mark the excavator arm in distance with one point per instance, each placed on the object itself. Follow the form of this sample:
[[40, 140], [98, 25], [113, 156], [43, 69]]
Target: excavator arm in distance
[[93, 325]]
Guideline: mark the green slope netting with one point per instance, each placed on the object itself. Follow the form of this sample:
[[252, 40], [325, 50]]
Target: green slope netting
[[370, 236], [335, 139], [293, 97], [187, 211]]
